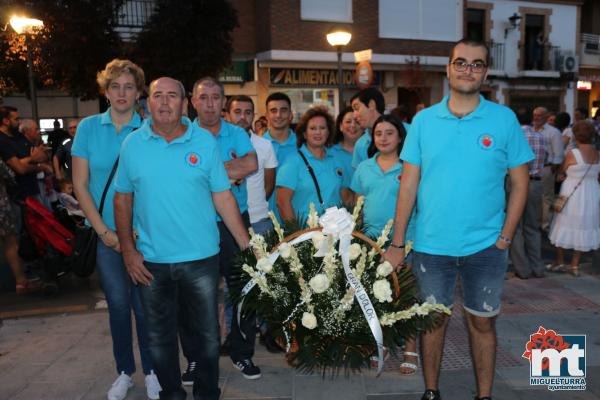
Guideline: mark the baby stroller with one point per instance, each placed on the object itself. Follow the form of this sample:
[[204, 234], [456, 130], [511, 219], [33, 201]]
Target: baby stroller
[[53, 243]]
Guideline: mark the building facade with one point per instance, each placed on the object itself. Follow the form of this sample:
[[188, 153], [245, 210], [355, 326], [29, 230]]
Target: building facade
[[536, 51]]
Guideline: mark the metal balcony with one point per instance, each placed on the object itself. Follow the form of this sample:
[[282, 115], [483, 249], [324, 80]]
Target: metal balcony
[[496, 56], [591, 43]]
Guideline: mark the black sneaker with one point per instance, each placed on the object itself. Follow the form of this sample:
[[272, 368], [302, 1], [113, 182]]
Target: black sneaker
[[188, 376], [249, 370], [431, 395], [269, 342]]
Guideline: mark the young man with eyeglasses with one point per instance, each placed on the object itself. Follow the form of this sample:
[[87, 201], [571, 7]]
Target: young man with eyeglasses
[[456, 157]]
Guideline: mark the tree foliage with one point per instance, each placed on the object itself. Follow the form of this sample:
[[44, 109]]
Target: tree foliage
[[77, 40], [187, 40]]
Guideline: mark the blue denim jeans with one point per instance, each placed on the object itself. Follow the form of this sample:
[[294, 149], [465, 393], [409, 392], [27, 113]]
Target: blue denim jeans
[[185, 290], [240, 348], [481, 275], [122, 297], [263, 226]]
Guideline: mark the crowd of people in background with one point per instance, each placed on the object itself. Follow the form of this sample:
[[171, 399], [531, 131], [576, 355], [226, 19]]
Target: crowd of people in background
[[210, 179]]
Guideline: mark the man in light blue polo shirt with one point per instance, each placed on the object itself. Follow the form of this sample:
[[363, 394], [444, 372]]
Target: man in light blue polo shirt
[[368, 105], [172, 183], [456, 157], [281, 136], [240, 160]]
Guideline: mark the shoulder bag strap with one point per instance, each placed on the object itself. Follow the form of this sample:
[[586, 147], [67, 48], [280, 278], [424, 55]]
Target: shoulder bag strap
[[110, 178], [581, 180], [312, 175]]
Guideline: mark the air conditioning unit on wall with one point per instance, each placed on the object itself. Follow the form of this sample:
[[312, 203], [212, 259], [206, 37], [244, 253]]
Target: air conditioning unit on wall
[[568, 62]]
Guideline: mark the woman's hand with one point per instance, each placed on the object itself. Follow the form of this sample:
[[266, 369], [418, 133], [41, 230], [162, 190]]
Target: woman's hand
[[110, 239]]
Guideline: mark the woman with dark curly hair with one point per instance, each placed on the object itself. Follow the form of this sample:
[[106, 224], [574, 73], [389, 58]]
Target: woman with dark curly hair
[[313, 174]]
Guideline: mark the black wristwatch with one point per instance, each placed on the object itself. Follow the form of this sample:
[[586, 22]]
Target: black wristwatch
[[398, 246]]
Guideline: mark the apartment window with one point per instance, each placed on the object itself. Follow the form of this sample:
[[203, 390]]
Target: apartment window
[[420, 19], [330, 10], [476, 24], [535, 42]]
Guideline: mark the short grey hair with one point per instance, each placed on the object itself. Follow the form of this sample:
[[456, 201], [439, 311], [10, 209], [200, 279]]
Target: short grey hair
[[212, 81], [27, 124]]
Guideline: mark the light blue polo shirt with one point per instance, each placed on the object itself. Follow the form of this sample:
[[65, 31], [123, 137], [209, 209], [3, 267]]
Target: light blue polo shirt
[[344, 158], [463, 162], [294, 175], [234, 143], [381, 194], [361, 147], [172, 185], [98, 142], [282, 152]]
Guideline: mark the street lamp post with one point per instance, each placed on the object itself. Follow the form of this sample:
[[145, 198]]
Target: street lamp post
[[28, 27], [339, 38]]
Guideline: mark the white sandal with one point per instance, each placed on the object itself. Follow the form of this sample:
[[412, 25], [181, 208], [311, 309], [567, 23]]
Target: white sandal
[[408, 365]]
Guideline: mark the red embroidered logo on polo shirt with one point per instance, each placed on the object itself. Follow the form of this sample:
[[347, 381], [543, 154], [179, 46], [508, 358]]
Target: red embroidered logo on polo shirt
[[232, 154], [486, 141], [399, 177], [192, 159]]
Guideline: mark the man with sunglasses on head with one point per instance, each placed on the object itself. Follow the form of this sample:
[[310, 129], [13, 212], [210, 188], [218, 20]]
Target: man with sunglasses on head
[[456, 157]]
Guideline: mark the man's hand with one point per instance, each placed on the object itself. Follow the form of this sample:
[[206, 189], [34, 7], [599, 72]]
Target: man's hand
[[395, 257], [502, 244], [38, 154], [134, 262]]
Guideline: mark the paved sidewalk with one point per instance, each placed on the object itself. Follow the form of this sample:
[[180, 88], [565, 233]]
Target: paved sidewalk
[[69, 356]]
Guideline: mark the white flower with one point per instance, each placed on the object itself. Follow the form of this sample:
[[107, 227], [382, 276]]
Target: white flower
[[319, 283], [382, 291], [309, 320], [384, 269], [318, 240], [354, 251], [264, 265], [285, 250]]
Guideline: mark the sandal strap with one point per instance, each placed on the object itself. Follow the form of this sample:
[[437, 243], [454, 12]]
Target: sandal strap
[[409, 365], [410, 353]]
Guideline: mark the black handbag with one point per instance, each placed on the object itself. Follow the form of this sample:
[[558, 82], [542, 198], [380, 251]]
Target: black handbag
[[83, 258]]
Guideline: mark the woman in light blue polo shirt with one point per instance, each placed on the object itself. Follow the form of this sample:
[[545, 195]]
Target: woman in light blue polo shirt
[[296, 186], [378, 179], [346, 134], [95, 149]]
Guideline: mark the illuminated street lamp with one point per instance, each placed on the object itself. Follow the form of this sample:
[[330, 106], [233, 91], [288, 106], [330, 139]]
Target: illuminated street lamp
[[28, 27], [339, 37]]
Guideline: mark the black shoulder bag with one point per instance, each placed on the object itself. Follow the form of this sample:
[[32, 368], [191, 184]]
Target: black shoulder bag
[[83, 258], [312, 175]]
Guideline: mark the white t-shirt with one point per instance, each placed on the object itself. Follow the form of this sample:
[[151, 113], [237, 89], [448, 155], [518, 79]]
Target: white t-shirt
[[258, 207]]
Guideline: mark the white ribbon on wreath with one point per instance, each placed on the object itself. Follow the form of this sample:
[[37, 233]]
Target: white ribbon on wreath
[[338, 224]]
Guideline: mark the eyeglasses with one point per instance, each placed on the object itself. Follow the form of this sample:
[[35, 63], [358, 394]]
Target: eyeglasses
[[462, 66]]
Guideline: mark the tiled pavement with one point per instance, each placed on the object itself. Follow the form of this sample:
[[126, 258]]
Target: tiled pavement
[[68, 356]]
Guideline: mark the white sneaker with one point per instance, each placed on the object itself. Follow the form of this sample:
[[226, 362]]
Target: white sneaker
[[120, 387], [152, 386]]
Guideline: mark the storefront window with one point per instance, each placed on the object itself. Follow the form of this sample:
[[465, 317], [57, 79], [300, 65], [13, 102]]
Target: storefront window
[[303, 99]]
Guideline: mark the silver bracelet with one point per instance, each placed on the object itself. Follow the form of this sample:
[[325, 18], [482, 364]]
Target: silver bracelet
[[505, 239]]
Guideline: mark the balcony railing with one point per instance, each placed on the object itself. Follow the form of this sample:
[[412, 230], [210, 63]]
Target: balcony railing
[[496, 56], [591, 43], [134, 13]]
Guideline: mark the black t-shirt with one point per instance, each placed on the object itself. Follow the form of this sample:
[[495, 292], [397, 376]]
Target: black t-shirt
[[18, 146], [56, 137], [64, 154]]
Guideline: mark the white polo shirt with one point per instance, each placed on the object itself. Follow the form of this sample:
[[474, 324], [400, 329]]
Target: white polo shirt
[[258, 207]]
